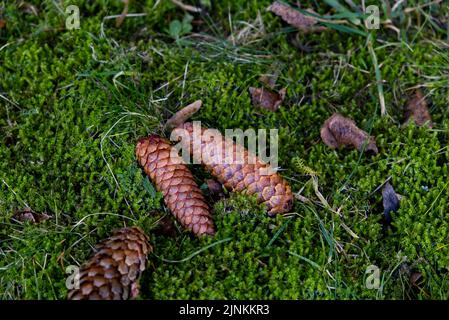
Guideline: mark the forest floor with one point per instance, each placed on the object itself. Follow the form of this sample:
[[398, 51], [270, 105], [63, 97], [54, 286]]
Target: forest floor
[[74, 102]]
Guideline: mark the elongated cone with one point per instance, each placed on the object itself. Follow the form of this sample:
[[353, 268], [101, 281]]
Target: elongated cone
[[112, 273], [172, 177], [238, 170]]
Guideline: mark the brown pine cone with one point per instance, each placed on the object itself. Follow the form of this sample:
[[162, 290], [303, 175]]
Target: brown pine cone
[[112, 273], [250, 177], [172, 177]]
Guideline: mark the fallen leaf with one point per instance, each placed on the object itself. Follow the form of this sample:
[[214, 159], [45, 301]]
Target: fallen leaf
[[183, 115], [121, 18], [2, 23], [417, 110], [338, 131], [28, 214], [390, 201], [267, 99], [295, 18]]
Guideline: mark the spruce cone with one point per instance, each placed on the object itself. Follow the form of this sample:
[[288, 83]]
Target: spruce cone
[[172, 177], [250, 177], [112, 273]]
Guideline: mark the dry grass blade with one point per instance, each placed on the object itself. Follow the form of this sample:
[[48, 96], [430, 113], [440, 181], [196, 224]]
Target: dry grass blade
[[251, 31], [186, 7], [379, 82]]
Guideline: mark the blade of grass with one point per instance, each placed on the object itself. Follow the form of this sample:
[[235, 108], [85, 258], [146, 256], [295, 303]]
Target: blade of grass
[[380, 87], [346, 29], [190, 256], [277, 234], [312, 263]]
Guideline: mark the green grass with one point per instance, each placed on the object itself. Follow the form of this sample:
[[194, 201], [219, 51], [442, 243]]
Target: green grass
[[74, 102]]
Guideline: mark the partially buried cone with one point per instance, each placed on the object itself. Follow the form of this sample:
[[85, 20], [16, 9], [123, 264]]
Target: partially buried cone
[[113, 272], [236, 168]]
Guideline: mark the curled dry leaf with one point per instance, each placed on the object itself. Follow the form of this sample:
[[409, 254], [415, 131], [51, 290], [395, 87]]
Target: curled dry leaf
[[267, 99], [28, 214], [390, 201], [338, 131], [183, 115], [250, 32], [295, 18], [417, 110]]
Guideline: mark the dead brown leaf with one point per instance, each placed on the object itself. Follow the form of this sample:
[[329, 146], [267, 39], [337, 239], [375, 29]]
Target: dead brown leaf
[[119, 20], [417, 110], [295, 18], [2, 23], [183, 115], [28, 214], [267, 99], [338, 131]]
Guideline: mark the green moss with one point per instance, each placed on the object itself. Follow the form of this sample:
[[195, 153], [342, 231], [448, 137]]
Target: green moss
[[81, 99]]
